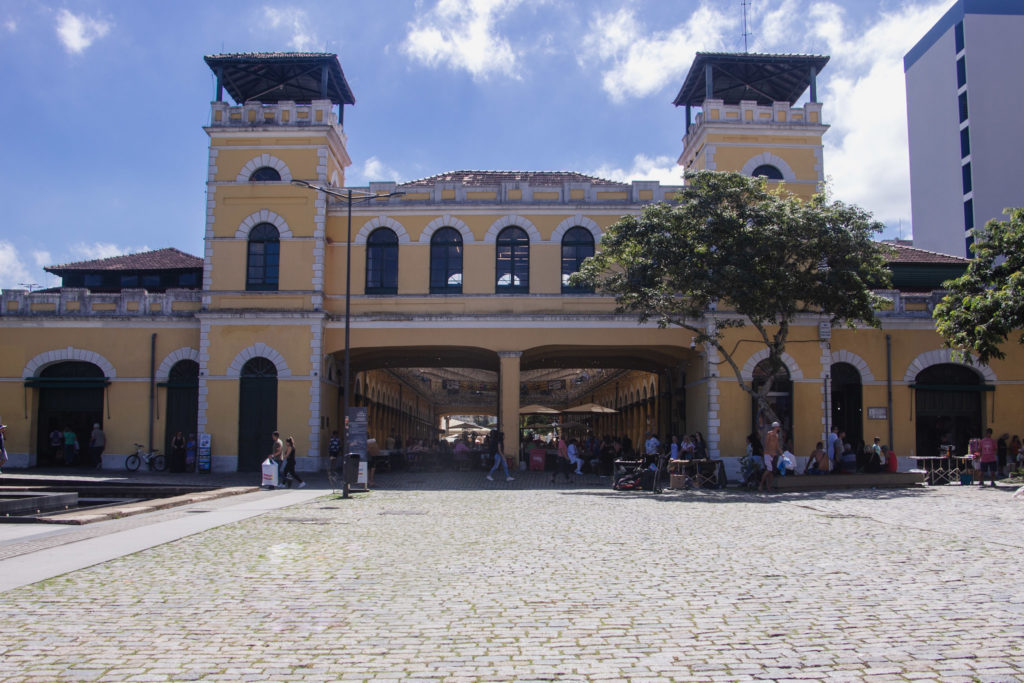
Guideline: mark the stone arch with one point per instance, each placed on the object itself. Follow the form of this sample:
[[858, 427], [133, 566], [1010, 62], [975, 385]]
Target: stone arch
[[184, 353], [259, 349], [39, 362], [769, 158], [381, 222], [844, 356], [263, 216], [573, 221], [939, 357], [492, 233], [446, 221], [748, 368], [261, 161]]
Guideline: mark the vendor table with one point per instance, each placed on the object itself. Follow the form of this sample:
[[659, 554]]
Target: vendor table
[[940, 469]]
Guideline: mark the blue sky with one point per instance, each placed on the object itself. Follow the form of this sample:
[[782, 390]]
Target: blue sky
[[104, 153]]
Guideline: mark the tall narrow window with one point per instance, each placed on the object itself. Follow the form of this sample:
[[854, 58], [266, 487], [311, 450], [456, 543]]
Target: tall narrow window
[[965, 171], [962, 100], [958, 37], [512, 260], [968, 214], [961, 72], [264, 258], [965, 142], [577, 245], [446, 262], [382, 262]]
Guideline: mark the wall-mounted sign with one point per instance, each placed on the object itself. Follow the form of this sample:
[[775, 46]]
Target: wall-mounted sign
[[878, 413]]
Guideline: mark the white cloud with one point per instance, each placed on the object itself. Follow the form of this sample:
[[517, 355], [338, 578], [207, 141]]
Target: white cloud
[[11, 25], [373, 170], [77, 32], [462, 35], [864, 95], [295, 21], [83, 251], [642, 64], [661, 168], [14, 274]]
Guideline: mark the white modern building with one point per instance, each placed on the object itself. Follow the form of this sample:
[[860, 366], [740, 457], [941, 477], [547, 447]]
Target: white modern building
[[965, 100]]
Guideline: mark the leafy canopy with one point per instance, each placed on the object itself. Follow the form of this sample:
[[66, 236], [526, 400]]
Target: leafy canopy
[[986, 304], [731, 253]]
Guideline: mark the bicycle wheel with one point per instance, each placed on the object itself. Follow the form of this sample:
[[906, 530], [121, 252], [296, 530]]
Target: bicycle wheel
[[159, 462], [132, 462]]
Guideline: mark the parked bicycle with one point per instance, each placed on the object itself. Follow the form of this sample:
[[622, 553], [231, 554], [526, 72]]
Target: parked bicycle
[[153, 459]]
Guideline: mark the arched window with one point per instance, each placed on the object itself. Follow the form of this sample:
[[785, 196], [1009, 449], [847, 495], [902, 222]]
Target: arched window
[[382, 262], [577, 245], [264, 258], [767, 171], [264, 174], [446, 262], [512, 260]]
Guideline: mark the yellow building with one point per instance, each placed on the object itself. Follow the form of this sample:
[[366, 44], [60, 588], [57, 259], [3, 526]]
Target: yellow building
[[457, 300]]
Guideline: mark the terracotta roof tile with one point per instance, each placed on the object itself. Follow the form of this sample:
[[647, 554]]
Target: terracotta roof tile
[[905, 253], [160, 259], [477, 178]]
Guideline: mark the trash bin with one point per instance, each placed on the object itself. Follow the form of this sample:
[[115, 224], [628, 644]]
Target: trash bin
[[270, 471], [537, 459]]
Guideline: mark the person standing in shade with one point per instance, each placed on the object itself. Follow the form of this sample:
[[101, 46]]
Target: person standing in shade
[[97, 443], [289, 463], [70, 440], [178, 452], [833, 455], [497, 447], [190, 453], [56, 445], [574, 456]]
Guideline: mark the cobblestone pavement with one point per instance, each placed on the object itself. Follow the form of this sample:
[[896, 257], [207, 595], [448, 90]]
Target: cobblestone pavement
[[449, 577]]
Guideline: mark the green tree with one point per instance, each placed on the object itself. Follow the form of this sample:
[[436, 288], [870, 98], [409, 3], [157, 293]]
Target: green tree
[[985, 305], [731, 253]]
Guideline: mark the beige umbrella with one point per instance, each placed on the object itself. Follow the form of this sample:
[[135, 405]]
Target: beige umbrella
[[537, 409], [591, 408]]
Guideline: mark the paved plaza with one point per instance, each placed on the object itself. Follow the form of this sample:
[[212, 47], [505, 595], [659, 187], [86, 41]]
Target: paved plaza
[[449, 577]]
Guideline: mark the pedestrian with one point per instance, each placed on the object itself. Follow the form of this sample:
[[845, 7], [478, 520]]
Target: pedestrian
[[190, 453], [833, 454], [652, 446], [97, 442], [3, 445], [700, 447], [497, 447], [989, 461], [574, 456], [277, 456], [289, 463], [178, 452], [70, 442], [56, 445], [839, 450], [772, 452], [562, 463]]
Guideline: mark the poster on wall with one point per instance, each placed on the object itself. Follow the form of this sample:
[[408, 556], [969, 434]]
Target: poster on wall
[[203, 457]]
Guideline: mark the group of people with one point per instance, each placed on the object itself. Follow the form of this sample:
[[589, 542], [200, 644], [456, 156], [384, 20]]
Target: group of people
[[66, 448], [283, 454]]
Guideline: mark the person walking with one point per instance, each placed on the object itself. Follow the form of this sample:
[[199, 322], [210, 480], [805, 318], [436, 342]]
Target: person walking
[[289, 464], [97, 443], [70, 441], [497, 448], [277, 457]]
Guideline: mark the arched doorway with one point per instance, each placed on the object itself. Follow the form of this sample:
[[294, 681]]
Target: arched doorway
[[257, 412], [70, 395], [847, 401], [780, 398], [182, 401], [948, 407]]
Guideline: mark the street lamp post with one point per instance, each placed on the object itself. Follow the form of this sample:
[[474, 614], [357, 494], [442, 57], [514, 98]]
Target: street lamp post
[[347, 195]]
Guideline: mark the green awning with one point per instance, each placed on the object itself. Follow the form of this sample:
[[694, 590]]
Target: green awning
[[953, 387]]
